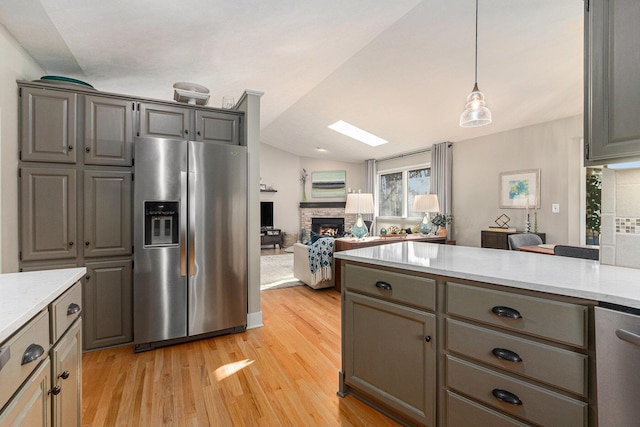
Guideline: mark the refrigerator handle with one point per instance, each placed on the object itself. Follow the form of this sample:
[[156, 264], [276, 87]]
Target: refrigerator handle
[[183, 223], [192, 224]]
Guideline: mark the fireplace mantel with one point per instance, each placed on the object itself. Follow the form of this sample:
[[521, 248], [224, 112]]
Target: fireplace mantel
[[321, 205]]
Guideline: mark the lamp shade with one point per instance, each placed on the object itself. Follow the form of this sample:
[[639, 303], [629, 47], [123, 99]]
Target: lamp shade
[[359, 203], [426, 203]]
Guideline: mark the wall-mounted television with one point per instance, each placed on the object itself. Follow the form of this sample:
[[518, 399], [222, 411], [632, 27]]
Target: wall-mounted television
[[266, 214]]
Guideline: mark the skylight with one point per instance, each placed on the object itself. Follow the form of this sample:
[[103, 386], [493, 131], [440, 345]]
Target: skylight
[[357, 133]]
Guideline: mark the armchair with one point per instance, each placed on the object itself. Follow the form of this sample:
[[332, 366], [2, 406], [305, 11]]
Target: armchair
[[302, 268]]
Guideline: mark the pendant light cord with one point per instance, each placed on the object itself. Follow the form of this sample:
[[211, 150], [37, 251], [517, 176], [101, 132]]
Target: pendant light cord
[[476, 81]]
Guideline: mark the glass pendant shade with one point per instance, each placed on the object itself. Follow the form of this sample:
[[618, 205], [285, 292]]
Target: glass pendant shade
[[475, 113], [359, 229], [425, 227]]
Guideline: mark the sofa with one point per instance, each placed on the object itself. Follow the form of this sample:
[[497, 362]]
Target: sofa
[[302, 269]]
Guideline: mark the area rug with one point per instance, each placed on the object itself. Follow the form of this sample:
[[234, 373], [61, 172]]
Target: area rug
[[276, 272]]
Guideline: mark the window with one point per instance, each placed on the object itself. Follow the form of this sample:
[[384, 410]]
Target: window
[[397, 189]]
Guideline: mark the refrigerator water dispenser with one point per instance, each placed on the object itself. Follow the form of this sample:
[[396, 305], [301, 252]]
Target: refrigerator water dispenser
[[161, 223]]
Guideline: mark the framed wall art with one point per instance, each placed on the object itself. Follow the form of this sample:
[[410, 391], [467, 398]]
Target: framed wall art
[[328, 184], [520, 189]]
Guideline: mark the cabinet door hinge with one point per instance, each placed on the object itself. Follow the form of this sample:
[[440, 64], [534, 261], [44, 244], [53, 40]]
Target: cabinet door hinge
[[133, 177], [19, 173], [20, 255], [19, 92], [587, 4]]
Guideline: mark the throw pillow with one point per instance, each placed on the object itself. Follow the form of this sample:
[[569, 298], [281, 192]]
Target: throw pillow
[[315, 236]]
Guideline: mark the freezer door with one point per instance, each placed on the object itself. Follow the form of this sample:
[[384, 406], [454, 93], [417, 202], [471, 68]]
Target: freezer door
[[160, 287], [218, 249]]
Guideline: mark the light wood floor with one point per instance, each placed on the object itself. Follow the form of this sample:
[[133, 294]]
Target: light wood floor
[[284, 374]]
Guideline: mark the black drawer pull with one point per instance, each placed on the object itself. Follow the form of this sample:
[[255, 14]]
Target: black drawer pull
[[33, 352], [510, 313], [73, 309], [64, 375], [56, 390], [427, 338], [508, 355], [383, 285], [88, 149], [506, 396]]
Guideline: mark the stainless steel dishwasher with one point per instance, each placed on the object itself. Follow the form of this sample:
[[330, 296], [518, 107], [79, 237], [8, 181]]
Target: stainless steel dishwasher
[[618, 365]]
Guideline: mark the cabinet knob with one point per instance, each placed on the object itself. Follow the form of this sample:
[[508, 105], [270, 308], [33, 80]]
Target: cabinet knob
[[87, 277], [508, 312], [70, 147], [506, 396], [56, 390], [87, 243], [186, 132], [427, 338], [88, 149], [64, 375], [70, 243], [198, 133]]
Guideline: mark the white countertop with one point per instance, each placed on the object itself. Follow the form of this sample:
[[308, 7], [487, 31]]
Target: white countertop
[[23, 295], [537, 272]]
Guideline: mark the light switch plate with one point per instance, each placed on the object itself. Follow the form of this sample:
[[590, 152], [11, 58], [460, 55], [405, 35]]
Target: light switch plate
[[555, 208]]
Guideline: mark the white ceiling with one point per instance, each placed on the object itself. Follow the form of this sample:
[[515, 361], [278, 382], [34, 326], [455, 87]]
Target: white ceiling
[[400, 69]]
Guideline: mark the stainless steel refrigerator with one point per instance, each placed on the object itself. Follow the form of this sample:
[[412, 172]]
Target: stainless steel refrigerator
[[190, 254]]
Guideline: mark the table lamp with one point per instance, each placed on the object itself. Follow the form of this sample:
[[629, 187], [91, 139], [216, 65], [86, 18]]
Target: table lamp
[[359, 203], [426, 203]]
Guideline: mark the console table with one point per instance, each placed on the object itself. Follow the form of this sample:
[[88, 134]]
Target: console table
[[271, 236], [499, 240], [347, 243]]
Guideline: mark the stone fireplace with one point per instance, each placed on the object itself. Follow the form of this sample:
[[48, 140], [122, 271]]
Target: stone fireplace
[[321, 211]]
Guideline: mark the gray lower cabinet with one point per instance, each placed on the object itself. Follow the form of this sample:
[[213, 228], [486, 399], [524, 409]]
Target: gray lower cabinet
[[48, 128], [108, 131], [612, 101], [47, 213], [389, 353], [107, 213], [41, 380], [108, 294], [31, 406], [66, 364]]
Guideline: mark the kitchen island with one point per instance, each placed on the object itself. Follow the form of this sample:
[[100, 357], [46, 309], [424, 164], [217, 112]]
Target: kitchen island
[[41, 348], [445, 335]]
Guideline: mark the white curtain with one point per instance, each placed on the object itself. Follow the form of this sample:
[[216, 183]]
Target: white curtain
[[369, 187], [441, 173]]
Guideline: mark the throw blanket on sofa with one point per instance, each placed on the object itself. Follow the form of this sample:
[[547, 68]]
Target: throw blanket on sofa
[[320, 256]]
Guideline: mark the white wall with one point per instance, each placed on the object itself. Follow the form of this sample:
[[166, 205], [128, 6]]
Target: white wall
[[552, 147], [15, 65], [281, 171]]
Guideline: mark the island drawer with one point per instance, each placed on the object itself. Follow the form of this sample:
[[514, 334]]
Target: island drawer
[[551, 365], [22, 353], [65, 310], [554, 320], [403, 288], [463, 412], [515, 397]]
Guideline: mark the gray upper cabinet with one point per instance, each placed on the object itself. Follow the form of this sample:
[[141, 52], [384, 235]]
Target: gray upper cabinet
[[612, 81], [48, 213], [107, 213], [164, 121], [48, 125], [108, 131], [217, 127]]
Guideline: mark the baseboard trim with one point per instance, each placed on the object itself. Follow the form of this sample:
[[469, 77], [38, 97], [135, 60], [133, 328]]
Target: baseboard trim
[[254, 320]]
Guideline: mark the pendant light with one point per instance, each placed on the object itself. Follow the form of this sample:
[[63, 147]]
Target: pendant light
[[475, 111]]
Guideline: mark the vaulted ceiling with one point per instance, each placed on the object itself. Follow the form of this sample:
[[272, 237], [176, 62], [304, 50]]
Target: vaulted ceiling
[[400, 69]]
